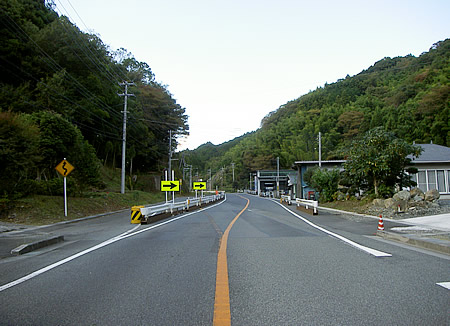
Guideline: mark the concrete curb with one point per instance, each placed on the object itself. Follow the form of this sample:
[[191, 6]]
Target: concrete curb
[[361, 215], [437, 245], [423, 242], [23, 249]]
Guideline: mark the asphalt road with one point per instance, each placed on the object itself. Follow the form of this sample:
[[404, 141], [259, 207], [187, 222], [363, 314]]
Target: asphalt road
[[282, 271]]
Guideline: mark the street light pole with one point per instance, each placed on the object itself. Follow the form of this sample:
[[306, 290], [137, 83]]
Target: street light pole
[[278, 176]]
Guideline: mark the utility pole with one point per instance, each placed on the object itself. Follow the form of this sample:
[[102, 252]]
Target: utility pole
[[232, 166], [278, 176], [170, 154], [320, 149], [124, 138], [210, 180], [222, 177], [190, 177]]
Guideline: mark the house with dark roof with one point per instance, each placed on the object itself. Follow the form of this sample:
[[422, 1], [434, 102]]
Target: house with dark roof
[[434, 169], [433, 166]]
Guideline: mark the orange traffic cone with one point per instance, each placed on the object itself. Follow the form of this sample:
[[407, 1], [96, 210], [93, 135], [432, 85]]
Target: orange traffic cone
[[380, 224]]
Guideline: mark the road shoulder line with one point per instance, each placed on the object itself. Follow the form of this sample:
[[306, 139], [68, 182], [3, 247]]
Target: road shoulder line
[[368, 250]]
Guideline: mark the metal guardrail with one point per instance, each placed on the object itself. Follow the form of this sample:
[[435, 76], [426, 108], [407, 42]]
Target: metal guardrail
[[149, 211], [308, 203], [286, 199]]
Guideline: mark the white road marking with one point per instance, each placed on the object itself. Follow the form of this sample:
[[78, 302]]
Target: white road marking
[[371, 251], [445, 285], [122, 236]]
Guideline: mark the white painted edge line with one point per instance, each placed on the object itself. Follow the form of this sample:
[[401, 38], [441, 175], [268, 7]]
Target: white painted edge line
[[445, 285], [122, 236], [371, 251]]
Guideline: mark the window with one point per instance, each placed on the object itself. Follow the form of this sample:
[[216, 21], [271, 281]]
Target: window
[[441, 181], [422, 180], [433, 179]]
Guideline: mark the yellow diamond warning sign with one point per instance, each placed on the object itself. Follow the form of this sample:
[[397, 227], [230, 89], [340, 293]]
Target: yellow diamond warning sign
[[64, 168]]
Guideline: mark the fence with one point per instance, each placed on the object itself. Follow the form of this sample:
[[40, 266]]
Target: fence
[[308, 204], [149, 211]]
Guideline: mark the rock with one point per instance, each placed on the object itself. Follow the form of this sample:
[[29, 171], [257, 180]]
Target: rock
[[378, 202], [388, 203], [418, 198], [402, 195], [417, 192], [432, 195], [420, 204], [401, 205], [393, 204]]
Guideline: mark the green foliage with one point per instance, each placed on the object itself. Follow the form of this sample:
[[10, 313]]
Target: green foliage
[[407, 95], [325, 182], [49, 65], [379, 159], [32, 145], [19, 152]]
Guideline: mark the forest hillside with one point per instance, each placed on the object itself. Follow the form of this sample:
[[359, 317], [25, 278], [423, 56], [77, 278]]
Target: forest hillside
[[405, 95], [62, 95]]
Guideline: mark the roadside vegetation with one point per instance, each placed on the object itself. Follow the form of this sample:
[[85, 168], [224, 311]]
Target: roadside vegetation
[[407, 96], [59, 99], [47, 209]]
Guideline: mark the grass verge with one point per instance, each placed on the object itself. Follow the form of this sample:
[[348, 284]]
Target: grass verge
[[42, 210], [351, 205]]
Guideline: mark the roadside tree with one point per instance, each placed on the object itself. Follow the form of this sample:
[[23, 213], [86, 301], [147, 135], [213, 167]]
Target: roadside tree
[[379, 161]]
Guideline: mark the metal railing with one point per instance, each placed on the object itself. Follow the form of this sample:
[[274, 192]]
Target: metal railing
[[149, 211], [286, 199], [314, 204]]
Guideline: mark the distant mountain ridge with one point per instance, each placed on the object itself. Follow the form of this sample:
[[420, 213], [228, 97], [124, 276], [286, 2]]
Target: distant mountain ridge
[[407, 95]]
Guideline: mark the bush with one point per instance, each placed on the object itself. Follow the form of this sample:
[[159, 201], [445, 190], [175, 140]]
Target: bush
[[325, 182]]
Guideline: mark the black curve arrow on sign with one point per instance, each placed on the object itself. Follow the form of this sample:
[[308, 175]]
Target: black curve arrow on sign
[[64, 167]]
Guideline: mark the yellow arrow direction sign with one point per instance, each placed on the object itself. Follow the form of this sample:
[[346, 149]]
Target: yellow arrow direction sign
[[64, 168], [199, 185], [170, 185]]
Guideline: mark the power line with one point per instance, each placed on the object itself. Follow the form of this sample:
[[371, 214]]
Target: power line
[[106, 71]]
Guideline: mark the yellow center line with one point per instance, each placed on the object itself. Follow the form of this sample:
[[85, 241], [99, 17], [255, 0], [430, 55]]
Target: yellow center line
[[222, 313]]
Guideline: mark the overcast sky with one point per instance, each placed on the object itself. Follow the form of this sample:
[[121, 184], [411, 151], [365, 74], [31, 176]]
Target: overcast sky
[[229, 63]]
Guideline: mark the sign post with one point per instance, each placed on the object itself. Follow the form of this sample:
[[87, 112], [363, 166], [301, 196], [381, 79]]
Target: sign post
[[64, 168], [173, 193]]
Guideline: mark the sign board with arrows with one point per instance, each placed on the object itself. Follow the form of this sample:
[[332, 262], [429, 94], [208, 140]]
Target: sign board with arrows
[[170, 185], [199, 185]]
